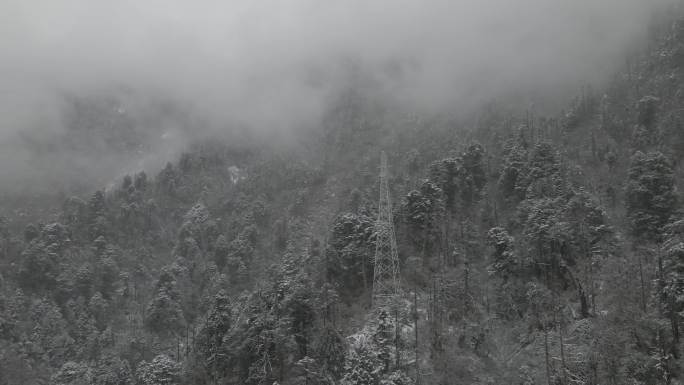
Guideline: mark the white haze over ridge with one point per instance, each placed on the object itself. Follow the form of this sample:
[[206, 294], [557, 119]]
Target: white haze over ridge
[[274, 65]]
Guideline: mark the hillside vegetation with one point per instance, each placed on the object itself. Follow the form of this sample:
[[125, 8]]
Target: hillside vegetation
[[532, 249]]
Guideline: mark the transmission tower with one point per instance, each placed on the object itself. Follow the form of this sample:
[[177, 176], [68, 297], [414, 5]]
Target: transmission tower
[[386, 267]]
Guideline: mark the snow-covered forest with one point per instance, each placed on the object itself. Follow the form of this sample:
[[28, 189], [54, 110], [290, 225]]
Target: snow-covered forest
[[531, 236]]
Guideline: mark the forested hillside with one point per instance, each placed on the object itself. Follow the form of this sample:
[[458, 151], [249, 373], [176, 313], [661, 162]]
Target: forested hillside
[[532, 250]]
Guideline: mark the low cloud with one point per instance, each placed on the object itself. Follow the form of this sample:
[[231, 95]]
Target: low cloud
[[178, 71]]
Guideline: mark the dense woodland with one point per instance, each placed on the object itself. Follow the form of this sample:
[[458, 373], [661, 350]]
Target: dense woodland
[[533, 250]]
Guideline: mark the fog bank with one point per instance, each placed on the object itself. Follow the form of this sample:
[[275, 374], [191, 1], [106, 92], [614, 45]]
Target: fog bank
[[185, 70]]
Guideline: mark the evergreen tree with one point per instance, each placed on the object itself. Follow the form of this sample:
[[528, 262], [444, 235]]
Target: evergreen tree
[[164, 312], [504, 262], [162, 370], [650, 194], [672, 277], [362, 367], [424, 212], [513, 170], [210, 339], [350, 252]]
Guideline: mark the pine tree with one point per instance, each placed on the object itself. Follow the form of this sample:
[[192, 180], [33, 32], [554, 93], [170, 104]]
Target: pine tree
[[424, 211], [650, 194], [504, 262], [349, 253], [210, 338], [111, 370], [164, 312], [671, 286], [73, 373], [513, 170], [162, 370], [362, 367], [330, 347]]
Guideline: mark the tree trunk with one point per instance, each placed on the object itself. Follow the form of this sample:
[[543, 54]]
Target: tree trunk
[[396, 338], [643, 289], [562, 351], [365, 279], [546, 356], [424, 247], [466, 286], [415, 328], [592, 288]]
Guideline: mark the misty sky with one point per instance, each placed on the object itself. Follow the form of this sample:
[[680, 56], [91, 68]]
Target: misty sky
[[275, 64]]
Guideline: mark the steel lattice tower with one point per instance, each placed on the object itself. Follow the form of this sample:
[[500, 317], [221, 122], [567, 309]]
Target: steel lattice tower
[[386, 262]]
